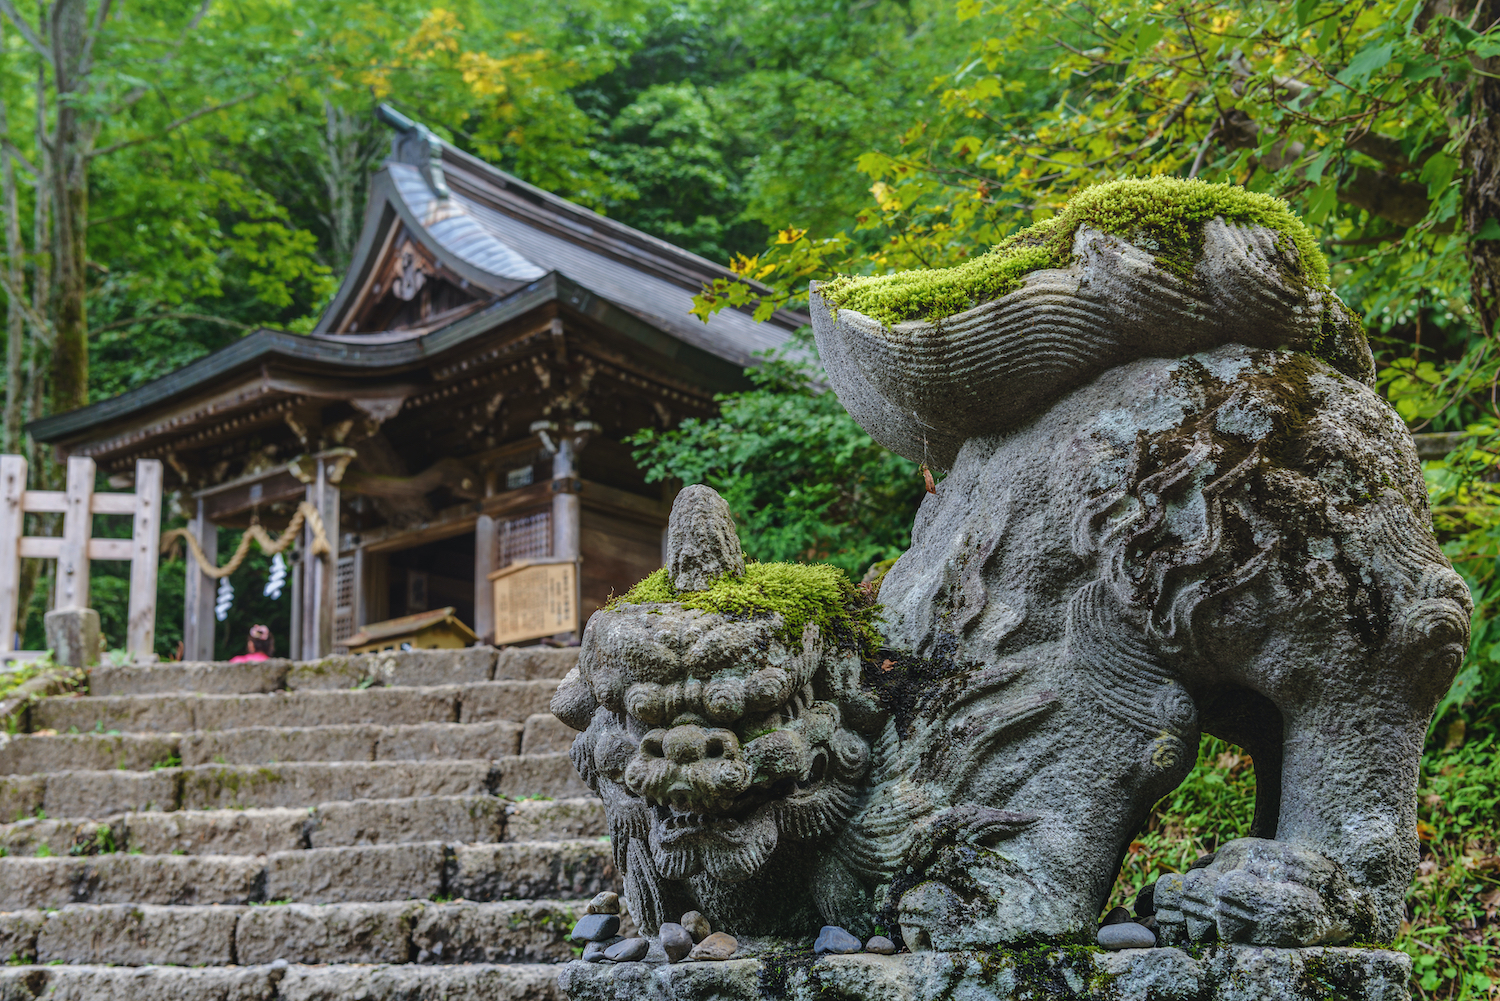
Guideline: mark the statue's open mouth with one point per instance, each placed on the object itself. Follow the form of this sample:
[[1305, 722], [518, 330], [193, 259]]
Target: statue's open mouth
[[674, 827]]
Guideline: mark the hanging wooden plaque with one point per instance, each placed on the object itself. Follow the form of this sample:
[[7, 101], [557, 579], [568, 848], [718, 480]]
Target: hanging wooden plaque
[[535, 598]]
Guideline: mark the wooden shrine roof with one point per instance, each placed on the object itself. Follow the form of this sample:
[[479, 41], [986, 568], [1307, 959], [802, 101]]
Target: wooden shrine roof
[[500, 250]]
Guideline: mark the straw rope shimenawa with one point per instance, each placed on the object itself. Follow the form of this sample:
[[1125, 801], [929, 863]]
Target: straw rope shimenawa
[[269, 546]]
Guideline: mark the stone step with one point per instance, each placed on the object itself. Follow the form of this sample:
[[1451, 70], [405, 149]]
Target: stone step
[[98, 794], [278, 982], [512, 931], [261, 831], [28, 754], [479, 702], [423, 871], [411, 668]]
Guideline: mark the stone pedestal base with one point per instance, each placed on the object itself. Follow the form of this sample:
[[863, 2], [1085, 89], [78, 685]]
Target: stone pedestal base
[[1236, 973], [73, 636]]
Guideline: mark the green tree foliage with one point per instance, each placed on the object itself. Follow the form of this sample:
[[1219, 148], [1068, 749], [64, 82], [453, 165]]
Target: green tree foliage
[[803, 480]]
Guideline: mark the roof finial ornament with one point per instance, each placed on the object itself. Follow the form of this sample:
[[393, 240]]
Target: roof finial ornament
[[416, 144]]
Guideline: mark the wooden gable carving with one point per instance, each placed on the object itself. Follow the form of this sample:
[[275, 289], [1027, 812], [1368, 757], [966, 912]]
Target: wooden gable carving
[[409, 289]]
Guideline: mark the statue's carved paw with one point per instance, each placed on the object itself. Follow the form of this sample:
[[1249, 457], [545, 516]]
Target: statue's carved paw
[[1260, 892]]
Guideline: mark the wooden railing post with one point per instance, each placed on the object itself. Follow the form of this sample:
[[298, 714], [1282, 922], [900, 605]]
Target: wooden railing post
[[140, 630], [74, 549], [78, 523], [12, 527]]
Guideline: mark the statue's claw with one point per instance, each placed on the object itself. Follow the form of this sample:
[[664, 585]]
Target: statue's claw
[[1260, 892]]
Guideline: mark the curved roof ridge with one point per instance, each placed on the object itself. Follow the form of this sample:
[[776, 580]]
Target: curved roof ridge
[[450, 224]]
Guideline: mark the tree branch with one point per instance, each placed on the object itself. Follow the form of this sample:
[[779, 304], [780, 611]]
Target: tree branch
[[173, 125], [206, 318], [17, 156], [86, 58], [39, 325], [1378, 193], [27, 32]]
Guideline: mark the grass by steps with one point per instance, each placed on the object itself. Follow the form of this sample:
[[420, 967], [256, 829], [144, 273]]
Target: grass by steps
[[1452, 927]]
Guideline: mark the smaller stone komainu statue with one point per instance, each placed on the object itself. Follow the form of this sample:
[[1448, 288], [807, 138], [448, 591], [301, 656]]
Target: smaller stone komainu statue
[[1173, 506]]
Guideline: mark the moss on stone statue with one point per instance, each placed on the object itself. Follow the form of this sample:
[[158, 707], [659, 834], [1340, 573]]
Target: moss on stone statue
[[799, 592], [1164, 215]]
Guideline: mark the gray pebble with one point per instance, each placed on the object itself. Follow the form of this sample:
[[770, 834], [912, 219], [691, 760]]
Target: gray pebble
[[594, 951], [595, 927], [629, 950], [604, 903], [881, 946], [1145, 901], [697, 925], [1116, 915], [675, 941], [1127, 935], [833, 939]]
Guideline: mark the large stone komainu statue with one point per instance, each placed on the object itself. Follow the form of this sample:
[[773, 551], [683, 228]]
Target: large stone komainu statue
[[1174, 506]]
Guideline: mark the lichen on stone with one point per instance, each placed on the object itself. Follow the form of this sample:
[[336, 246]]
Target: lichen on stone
[[1164, 215], [799, 592]]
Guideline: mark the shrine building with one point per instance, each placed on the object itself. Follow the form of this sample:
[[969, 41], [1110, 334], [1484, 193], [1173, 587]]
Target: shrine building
[[460, 408]]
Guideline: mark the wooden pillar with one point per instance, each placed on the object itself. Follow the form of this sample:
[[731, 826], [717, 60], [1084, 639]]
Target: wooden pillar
[[140, 629], [320, 573], [361, 576], [566, 513], [198, 594], [78, 523], [486, 556], [12, 527], [294, 642]]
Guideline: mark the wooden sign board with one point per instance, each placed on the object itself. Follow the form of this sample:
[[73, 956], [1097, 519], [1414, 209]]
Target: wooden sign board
[[535, 598]]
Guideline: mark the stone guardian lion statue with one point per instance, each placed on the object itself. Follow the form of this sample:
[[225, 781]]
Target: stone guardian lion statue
[[1174, 505]]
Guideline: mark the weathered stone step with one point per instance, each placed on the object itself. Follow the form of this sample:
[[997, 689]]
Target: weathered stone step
[[28, 754], [412, 668], [512, 931], [474, 703], [97, 794], [261, 831], [277, 982], [422, 871]]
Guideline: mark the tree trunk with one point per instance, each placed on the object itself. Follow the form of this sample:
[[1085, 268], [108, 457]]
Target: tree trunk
[[70, 195], [10, 434], [1482, 182], [349, 145]]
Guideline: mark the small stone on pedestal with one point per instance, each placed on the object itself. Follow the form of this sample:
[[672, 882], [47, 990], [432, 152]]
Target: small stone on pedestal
[[717, 946], [697, 925], [604, 903], [595, 927], [833, 939], [675, 941]]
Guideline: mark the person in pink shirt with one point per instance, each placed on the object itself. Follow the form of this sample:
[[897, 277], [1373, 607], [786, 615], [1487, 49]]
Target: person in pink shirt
[[260, 646]]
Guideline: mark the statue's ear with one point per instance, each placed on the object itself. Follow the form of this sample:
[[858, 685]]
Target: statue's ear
[[701, 541]]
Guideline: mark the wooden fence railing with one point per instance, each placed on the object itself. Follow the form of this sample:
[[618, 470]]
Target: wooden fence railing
[[76, 546]]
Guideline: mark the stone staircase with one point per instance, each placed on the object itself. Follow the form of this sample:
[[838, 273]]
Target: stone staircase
[[392, 826]]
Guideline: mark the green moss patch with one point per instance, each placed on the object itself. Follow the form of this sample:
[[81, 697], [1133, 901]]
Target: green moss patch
[[1162, 214], [799, 592]]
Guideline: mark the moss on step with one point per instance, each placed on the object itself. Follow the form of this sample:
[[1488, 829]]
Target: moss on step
[[799, 592], [1164, 215]]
